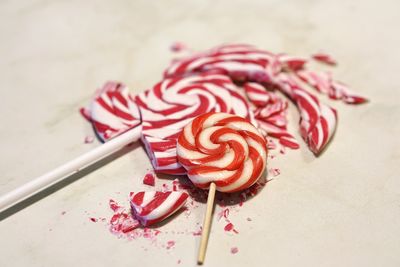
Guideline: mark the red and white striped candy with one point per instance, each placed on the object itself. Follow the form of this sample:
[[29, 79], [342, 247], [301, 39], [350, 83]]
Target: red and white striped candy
[[153, 207], [247, 63], [270, 113], [173, 103], [112, 111], [222, 148], [240, 62], [317, 120]]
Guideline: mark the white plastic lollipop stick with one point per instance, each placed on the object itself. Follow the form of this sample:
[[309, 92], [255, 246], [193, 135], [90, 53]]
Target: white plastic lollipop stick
[[71, 167]]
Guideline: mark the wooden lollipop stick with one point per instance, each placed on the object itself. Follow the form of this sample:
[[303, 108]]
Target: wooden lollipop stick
[[206, 224]]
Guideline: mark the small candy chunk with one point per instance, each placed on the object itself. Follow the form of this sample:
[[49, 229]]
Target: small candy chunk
[[324, 58], [222, 148], [153, 207], [149, 179], [112, 111]]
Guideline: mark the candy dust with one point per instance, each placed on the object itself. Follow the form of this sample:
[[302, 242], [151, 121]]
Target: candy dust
[[275, 171], [89, 139], [178, 47], [234, 250], [170, 244], [93, 219]]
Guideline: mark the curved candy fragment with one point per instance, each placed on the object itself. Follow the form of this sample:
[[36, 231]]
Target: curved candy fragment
[[317, 120], [324, 83], [153, 207], [112, 111], [222, 148]]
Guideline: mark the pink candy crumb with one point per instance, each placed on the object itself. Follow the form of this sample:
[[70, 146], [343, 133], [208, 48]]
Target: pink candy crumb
[[234, 250], [89, 139], [149, 179], [170, 244], [178, 47]]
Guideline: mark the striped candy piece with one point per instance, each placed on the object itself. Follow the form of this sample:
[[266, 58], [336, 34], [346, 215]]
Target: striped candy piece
[[112, 111], [270, 113], [153, 207], [222, 148], [317, 120], [173, 103]]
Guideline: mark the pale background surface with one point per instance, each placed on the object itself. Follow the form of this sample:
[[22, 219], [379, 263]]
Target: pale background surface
[[342, 209]]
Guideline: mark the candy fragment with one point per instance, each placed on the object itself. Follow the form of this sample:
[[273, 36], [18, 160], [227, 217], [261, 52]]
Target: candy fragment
[[324, 58], [222, 148], [317, 120], [112, 111], [152, 207]]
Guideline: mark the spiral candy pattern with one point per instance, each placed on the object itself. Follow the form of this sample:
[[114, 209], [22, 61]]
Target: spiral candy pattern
[[222, 148], [173, 103]]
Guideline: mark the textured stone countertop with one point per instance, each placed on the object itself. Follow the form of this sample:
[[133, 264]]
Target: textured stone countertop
[[341, 209]]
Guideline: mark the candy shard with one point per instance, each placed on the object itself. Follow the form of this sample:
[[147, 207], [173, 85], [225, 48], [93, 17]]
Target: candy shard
[[153, 207], [112, 111], [324, 84], [324, 58]]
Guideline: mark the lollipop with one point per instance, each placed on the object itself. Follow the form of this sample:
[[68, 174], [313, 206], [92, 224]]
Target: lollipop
[[221, 152], [152, 207], [173, 103]]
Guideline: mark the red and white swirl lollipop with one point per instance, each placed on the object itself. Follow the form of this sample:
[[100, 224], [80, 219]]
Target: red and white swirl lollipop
[[223, 152], [173, 103]]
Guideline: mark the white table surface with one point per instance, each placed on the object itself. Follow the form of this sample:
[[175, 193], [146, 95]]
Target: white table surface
[[342, 209]]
